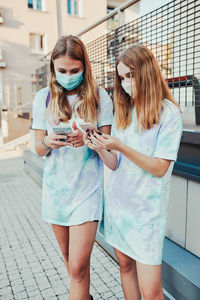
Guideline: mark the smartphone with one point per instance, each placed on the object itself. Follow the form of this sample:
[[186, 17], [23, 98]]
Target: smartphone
[[62, 131], [87, 126]]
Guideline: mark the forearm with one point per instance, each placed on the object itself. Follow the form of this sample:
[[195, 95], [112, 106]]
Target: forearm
[[108, 158], [149, 164]]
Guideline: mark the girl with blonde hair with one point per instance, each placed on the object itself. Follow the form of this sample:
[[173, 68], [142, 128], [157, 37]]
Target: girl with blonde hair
[[143, 147], [73, 173]]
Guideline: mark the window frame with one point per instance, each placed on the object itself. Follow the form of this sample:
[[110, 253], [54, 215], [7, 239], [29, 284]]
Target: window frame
[[35, 5], [74, 8], [37, 39]]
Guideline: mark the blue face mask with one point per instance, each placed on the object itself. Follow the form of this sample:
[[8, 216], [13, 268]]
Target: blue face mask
[[69, 82]]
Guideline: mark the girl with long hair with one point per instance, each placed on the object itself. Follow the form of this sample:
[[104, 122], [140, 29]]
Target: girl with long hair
[[73, 173], [143, 147]]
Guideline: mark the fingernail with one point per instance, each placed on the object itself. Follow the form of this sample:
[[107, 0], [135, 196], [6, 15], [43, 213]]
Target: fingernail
[[89, 134], [99, 132]]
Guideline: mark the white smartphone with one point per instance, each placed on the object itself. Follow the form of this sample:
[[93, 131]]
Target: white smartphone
[[87, 126]]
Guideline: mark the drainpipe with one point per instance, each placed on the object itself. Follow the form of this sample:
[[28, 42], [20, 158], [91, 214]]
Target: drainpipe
[[59, 18]]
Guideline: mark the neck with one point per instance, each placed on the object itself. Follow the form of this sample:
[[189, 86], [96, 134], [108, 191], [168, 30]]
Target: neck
[[72, 92]]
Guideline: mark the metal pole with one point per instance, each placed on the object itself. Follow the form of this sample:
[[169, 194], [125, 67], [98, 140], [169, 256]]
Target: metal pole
[[120, 17], [59, 18]]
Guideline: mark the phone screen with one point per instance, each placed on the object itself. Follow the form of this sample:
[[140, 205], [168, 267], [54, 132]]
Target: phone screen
[[62, 131]]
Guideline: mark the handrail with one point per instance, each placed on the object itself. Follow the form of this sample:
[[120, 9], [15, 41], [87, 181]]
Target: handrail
[[108, 16], [21, 106], [116, 11]]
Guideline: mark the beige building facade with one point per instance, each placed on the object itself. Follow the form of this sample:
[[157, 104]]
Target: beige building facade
[[29, 30]]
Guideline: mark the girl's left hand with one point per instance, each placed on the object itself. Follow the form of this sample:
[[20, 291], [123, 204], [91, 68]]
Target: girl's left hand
[[105, 141], [76, 137]]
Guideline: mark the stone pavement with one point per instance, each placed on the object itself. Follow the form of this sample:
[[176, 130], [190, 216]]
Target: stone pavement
[[31, 265]]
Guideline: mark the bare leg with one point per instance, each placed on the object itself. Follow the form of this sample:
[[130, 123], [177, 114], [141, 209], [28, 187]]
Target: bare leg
[[128, 274], [62, 237], [81, 242], [149, 278]]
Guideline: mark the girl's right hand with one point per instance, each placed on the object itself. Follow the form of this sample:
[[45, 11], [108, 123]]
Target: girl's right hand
[[105, 142], [88, 142], [52, 142]]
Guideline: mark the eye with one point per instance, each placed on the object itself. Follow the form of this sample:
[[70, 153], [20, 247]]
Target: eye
[[74, 71], [62, 71]]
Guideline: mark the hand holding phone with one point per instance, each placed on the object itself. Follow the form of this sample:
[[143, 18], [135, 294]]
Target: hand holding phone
[[86, 127], [62, 131]]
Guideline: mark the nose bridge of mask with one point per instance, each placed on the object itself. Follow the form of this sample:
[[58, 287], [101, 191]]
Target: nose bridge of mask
[[69, 82], [68, 78]]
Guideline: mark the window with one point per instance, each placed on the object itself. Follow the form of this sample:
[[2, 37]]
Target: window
[[74, 7], [36, 4], [37, 43]]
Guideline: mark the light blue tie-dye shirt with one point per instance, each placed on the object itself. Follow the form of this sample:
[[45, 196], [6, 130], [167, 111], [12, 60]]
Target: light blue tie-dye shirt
[[135, 207], [72, 181]]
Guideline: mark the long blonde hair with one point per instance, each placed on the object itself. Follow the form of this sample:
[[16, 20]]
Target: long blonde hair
[[151, 89], [59, 106]]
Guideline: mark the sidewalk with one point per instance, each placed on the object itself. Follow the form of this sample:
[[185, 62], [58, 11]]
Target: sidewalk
[[31, 265]]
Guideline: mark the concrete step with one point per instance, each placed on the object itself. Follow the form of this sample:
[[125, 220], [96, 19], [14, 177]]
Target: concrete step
[[12, 145]]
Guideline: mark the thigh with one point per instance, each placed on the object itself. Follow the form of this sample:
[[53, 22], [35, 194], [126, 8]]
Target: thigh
[[149, 276], [62, 237], [81, 241]]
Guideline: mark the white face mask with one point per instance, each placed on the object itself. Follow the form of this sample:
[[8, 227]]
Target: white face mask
[[126, 84]]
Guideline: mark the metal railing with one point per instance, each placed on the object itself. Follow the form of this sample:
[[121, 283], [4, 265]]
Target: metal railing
[[171, 32], [117, 11]]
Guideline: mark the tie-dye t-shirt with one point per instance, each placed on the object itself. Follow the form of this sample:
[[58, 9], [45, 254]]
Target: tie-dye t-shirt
[[72, 179], [135, 207]]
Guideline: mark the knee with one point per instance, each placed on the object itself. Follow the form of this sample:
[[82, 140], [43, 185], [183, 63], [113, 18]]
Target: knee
[[126, 265], [78, 270], [151, 293]]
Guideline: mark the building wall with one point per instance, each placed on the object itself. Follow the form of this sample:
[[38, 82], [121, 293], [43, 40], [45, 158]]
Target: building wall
[[92, 11], [21, 63], [19, 22]]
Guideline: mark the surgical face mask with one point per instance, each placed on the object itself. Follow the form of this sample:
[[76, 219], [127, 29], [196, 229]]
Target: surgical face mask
[[126, 84], [69, 82]]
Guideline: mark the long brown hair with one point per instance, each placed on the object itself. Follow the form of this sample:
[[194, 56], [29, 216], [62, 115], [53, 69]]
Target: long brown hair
[[151, 89], [59, 106]]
